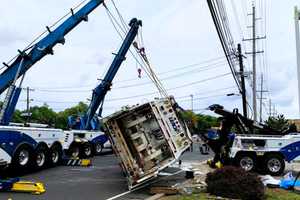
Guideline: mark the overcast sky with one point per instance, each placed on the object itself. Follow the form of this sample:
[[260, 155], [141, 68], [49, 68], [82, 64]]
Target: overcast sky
[[176, 34]]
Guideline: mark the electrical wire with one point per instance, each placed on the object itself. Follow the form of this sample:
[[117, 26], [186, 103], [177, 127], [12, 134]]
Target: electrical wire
[[187, 84]]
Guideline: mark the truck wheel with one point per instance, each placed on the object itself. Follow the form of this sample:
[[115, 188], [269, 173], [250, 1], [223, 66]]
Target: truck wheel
[[55, 155], [274, 164], [98, 147], [22, 158], [40, 157], [86, 150], [74, 151], [246, 162]]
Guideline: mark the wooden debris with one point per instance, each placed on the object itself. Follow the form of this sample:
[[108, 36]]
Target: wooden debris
[[163, 189]]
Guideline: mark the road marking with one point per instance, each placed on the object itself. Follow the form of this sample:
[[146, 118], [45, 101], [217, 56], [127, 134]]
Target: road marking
[[119, 195]]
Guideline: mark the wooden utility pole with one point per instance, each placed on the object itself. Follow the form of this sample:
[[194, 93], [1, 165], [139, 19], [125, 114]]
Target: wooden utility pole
[[242, 74]]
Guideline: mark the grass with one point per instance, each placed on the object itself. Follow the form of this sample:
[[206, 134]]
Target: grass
[[279, 194], [271, 194]]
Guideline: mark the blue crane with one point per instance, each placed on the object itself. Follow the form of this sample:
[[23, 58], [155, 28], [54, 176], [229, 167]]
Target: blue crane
[[28, 57], [89, 121]]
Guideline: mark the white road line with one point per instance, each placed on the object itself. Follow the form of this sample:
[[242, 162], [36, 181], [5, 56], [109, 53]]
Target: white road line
[[119, 195]]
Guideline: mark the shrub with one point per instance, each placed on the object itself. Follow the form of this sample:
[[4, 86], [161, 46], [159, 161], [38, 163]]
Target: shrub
[[232, 182]]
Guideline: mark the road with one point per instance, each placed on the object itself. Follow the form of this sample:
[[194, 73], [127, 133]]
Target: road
[[102, 181]]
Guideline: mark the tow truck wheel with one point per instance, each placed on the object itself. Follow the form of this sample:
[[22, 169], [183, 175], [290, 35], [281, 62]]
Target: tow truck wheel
[[86, 150], [55, 155], [274, 164], [40, 157], [98, 147], [246, 162], [22, 157], [74, 151]]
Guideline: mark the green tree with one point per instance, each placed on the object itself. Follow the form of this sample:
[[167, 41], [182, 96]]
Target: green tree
[[199, 123], [17, 117], [42, 114], [278, 123], [62, 117]]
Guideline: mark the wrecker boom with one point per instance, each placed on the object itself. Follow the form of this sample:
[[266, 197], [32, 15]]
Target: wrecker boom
[[28, 57]]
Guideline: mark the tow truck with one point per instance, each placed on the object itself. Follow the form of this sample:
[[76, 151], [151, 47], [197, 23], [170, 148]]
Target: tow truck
[[253, 146], [30, 147]]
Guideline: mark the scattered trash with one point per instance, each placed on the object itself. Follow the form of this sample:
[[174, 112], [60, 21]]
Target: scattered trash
[[289, 181], [269, 181]]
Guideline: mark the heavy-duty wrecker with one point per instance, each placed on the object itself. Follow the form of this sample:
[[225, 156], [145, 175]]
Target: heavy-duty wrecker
[[31, 147], [23, 147], [253, 145]]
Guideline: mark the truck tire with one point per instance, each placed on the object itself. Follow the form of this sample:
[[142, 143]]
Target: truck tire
[[74, 151], [246, 161], [22, 158], [98, 148], [40, 157], [274, 164], [86, 150], [55, 155]]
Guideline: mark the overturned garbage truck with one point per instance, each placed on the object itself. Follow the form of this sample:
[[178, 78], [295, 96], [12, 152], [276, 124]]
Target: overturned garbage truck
[[147, 138]]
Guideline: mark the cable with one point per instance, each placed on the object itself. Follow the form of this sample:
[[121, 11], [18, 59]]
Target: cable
[[221, 23], [201, 68], [188, 84]]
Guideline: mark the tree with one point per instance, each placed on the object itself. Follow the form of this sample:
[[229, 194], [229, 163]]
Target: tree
[[45, 115], [199, 123], [278, 123], [62, 117], [42, 114]]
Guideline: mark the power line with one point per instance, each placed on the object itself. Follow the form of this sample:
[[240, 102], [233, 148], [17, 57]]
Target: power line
[[122, 87], [199, 69], [147, 94], [220, 20]]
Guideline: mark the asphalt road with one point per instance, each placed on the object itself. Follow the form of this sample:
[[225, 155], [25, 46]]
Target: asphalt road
[[102, 181]]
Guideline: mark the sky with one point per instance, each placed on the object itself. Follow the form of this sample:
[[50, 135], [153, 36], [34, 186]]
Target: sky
[[180, 40]]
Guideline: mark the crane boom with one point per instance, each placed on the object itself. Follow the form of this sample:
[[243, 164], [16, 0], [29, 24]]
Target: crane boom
[[26, 60], [100, 91]]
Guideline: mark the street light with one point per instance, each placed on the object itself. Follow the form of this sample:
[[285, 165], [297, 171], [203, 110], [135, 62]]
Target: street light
[[233, 94]]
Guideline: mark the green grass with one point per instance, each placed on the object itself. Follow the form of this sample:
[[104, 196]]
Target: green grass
[[271, 194], [279, 194]]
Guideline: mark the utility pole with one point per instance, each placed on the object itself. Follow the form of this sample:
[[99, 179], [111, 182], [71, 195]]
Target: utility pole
[[244, 97], [254, 62], [28, 100], [297, 18], [253, 53], [261, 96], [270, 108], [192, 102]]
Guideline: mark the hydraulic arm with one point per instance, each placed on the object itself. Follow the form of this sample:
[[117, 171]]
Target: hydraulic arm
[[28, 57], [100, 91]]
